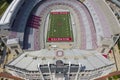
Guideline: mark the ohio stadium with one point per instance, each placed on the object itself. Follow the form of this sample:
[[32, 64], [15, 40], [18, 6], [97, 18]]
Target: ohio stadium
[[60, 39]]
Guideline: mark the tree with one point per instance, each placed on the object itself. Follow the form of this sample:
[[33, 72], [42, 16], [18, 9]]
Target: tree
[[9, 1]]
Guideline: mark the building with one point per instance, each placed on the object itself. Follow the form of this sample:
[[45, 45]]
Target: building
[[7, 76], [94, 30], [61, 64]]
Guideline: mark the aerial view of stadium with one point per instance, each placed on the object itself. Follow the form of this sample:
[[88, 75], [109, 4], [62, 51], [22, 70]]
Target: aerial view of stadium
[[59, 40]]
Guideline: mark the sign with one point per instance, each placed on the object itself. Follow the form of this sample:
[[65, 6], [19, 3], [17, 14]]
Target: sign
[[13, 41]]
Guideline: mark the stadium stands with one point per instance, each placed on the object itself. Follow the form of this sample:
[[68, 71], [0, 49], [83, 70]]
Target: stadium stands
[[84, 15], [89, 63], [34, 22], [91, 40]]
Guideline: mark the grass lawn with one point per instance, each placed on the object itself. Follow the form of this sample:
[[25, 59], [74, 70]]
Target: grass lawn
[[114, 77], [60, 27]]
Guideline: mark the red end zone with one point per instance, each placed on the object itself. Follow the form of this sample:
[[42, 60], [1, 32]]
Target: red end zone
[[60, 13], [69, 39]]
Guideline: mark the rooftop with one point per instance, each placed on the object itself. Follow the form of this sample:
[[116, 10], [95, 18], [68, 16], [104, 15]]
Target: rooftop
[[29, 60]]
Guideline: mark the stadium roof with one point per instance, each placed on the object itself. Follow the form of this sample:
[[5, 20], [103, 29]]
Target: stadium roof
[[99, 9], [90, 59]]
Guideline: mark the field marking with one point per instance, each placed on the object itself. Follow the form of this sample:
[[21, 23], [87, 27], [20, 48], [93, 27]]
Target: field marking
[[61, 27]]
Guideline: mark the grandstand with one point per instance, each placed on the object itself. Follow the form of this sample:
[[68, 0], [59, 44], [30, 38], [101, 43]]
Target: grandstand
[[61, 39]]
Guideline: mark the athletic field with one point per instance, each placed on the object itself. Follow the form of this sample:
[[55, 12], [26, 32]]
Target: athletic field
[[59, 29]]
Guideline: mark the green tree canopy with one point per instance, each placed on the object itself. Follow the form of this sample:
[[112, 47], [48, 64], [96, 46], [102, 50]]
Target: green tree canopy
[[9, 1]]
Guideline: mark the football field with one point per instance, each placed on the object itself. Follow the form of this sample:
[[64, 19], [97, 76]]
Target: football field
[[59, 29]]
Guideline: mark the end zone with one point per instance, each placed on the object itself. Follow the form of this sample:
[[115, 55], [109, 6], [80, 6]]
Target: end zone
[[69, 39]]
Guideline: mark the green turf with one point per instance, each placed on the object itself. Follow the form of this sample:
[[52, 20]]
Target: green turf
[[59, 26], [116, 77]]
